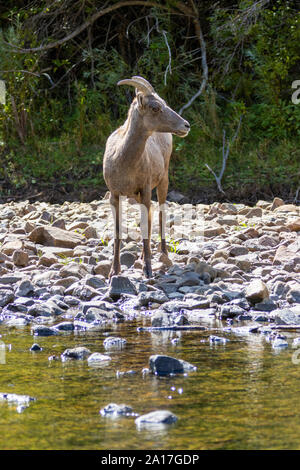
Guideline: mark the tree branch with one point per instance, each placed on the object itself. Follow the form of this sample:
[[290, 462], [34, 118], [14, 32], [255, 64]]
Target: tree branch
[[200, 36], [88, 23], [225, 154]]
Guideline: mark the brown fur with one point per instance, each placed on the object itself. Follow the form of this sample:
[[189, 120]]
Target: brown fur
[[136, 160]]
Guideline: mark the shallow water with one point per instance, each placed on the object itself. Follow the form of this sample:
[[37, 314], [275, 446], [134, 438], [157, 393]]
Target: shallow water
[[244, 394]]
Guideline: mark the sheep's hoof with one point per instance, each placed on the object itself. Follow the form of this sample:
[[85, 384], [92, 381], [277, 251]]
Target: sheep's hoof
[[113, 272]]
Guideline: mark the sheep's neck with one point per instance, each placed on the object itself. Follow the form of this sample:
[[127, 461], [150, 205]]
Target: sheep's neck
[[135, 139]]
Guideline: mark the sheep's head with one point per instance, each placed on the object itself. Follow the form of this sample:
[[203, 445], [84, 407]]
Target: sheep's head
[[156, 114]]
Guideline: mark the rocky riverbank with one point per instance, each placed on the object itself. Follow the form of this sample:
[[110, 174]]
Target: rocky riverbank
[[226, 261]]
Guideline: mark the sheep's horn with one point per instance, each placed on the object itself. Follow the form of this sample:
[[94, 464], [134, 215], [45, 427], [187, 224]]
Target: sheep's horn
[[140, 86], [145, 82]]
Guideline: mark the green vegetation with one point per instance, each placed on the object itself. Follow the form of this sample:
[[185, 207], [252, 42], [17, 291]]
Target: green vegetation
[[62, 101]]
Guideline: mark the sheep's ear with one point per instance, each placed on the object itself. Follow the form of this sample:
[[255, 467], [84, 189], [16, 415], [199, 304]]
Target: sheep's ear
[[140, 99]]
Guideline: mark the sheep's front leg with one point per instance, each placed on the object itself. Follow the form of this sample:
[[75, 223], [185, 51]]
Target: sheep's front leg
[[116, 210], [161, 192], [146, 222]]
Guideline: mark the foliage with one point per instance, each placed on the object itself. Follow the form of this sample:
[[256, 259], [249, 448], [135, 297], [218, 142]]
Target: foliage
[[63, 102]]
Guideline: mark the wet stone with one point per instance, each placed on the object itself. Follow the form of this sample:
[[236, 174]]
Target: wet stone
[[78, 353], [113, 410], [41, 330], [166, 365], [121, 285], [156, 418]]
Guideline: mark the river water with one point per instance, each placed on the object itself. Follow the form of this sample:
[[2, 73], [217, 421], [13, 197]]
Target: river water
[[244, 394]]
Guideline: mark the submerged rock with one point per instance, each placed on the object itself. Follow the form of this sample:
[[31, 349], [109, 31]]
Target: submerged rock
[[156, 418], [114, 342], [114, 410], [78, 353], [166, 365]]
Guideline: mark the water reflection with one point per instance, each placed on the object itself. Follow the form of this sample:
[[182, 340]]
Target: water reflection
[[244, 394]]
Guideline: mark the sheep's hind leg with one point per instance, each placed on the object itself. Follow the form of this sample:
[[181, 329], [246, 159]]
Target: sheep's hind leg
[[161, 192], [116, 210], [146, 221]]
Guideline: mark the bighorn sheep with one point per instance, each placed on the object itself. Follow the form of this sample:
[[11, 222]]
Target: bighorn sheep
[[136, 160]]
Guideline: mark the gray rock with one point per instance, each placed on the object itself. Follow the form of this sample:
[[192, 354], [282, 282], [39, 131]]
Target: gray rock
[[127, 258], [95, 282], [156, 418], [166, 365], [17, 322], [160, 318], [286, 316], [6, 297], [78, 353], [257, 291], [114, 410], [293, 296], [35, 347], [41, 330], [121, 285], [24, 288], [217, 339], [64, 326], [97, 358], [279, 343], [267, 305], [159, 297], [114, 342]]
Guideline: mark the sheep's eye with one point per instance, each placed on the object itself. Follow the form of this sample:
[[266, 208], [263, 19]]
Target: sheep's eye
[[155, 108]]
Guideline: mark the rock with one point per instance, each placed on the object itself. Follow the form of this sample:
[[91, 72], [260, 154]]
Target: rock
[[78, 353], [64, 326], [90, 232], [41, 330], [127, 258], [254, 212], [238, 250], [9, 247], [114, 342], [114, 410], [35, 347], [166, 365], [256, 291], [288, 254], [294, 225], [158, 297], [98, 358], [24, 288], [293, 296], [6, 297], [288, 208], [176, 196], [217, 340], [286, 316], [103, 268], [17, 322], [160, 319], [277, 202], [73, 269], [53, 236], [267, 305], [18, 399], [120, 285], [279, 343], [213, 231], [96, 282], [20, 258], [156, 418]]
